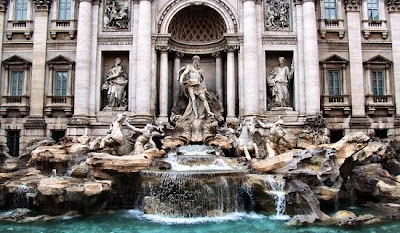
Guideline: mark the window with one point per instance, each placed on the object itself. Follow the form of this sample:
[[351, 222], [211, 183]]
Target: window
[[334, 82], [17, 80], [64, 10], [330, 9], [336, 135], [61, 83], [13, 142], [373, 9], [21, 9], [57, 134], [378, 82]]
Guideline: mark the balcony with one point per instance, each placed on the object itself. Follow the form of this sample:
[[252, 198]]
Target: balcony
[[59, 104], [336, 105], [380, 105], [374, 26], [14, 103], [23, 27], [331, 25], [63, 26]]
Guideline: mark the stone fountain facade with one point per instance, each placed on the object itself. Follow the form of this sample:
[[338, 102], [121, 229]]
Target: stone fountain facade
[[57, 61]]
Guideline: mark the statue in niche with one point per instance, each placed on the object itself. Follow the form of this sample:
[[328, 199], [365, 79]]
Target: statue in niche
[[277, 14], [192, 80], [115, 85], [145, 140], [116, 14], [278, 80], [276, 136]]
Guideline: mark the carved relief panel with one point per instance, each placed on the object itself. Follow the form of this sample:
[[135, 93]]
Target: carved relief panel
[[277, 15], [116, 15]]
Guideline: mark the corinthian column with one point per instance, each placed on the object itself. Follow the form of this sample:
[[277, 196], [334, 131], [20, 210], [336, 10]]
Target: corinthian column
[[175, 83], [355, 54], [144, 62], [218, 76], [83, 60], [230, 83], [311, 72], [163, 101], [250, 61], [394, 17]]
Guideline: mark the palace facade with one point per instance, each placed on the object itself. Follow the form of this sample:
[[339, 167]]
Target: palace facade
[[57, 55]]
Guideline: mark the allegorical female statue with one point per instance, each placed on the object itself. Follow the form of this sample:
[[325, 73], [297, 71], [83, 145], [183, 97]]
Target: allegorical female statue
[[115, 85], [279, 79]]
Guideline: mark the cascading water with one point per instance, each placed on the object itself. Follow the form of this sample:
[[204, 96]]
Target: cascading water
[[21, 199], [277, 186], [199, 184]]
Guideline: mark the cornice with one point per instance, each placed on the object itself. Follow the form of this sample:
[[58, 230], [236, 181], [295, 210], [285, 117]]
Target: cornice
[[352, 5], [393, 6], [3, 5]]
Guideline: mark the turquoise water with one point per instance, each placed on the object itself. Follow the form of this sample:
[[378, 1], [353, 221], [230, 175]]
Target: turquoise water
[[136, 222]]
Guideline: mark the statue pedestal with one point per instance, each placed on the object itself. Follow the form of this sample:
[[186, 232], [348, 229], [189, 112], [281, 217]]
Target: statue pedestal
[[287, 113]]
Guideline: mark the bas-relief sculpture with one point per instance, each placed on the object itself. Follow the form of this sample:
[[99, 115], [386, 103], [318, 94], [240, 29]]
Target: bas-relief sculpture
[[116, 14], [115, 85], [278, 80], [277, 14]]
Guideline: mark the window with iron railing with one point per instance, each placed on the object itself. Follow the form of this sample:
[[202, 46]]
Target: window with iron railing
[[330, 9], [378, 82], [61, 83], [334, 82], [21, 9], [64, 10], [373, 10], [16, 83]]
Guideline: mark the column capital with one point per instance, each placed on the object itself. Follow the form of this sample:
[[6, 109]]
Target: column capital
[[144, 0], [393, 5], [42, 5], [163, 48], [3, 5], [256, 1], [216, 54], [352, 5], [90, 1], [231, 48], [179, 54]]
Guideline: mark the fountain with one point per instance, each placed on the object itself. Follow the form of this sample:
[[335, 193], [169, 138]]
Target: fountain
[[199, 184], [277, 186]]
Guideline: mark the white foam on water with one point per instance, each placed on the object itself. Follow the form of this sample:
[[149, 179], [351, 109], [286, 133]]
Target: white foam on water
[[280, 217], [198, 220]]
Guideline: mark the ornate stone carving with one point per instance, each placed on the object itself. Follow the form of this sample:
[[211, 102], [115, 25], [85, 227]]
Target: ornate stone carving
[[116, 14], [246, 142], [352, 5], [277, 14], [174, 3], [393, 5], [42, 5], [145, 140], [278, 80], [276, 136], [115, 85], [3, 5]]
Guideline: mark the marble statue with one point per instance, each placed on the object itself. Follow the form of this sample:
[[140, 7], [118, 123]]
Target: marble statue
[[246, 143], [276, 136], [279, 79], [115, 85], [115, 138], [145, 140], [116, 14], [277, 14], [192, 80]]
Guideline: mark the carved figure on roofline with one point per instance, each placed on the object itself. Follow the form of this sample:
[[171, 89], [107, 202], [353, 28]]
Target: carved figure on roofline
[[278, 80], [115, 85]]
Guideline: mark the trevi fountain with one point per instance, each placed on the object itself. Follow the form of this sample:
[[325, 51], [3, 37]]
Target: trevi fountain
[[198, 173]]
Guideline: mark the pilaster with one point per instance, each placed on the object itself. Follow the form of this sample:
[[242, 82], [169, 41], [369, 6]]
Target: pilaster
[[394, 17]]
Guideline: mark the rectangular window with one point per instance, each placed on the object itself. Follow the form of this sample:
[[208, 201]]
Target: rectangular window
[[61, 83], [21, 9], [378, 82], [16, 83], [334, 82], [64, 10], [13, 142], [373, 9], [57, 134], [330, 9]]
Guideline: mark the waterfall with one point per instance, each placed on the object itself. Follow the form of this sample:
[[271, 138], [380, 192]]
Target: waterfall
[[277, 185], [21, 199]]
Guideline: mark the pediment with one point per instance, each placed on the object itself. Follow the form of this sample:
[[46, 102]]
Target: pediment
[[335, 59], [16, 60], [60, 60], [378, 60]]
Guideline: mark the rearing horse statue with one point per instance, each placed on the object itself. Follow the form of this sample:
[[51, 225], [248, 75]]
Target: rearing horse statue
[[245, 142]]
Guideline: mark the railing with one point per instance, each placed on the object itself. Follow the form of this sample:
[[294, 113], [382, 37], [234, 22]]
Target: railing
[[375, 23], [58, 103], [21, 24], [63, 23], [14, 99], [374, 26], [335, 100], [379, 100], [331, 23], [63, 26], [58, 100]]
